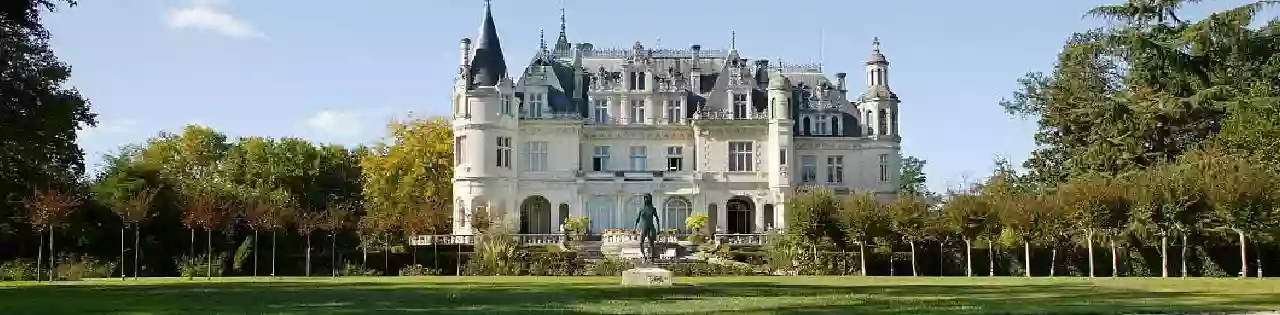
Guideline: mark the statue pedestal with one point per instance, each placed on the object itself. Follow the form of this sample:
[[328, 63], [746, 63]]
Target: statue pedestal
[[646, 277]]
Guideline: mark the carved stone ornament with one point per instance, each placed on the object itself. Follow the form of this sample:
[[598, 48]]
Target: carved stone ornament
[[639, 134], [827, 145], [549, 130]]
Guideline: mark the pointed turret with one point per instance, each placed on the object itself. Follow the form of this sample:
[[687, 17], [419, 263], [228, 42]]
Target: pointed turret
[[562, 43], [488, 67]]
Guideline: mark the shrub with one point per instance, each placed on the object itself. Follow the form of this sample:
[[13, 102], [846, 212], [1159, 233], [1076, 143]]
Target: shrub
[[611, 265], [85, 267], [495, 255], [17, 270], [419, 270], [354, 270], [243, 254], [199, 266]]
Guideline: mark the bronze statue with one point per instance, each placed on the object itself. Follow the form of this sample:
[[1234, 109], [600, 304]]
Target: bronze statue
[[647, 225]]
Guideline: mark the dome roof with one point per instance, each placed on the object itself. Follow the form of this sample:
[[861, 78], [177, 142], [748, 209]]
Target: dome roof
[[777, 81]]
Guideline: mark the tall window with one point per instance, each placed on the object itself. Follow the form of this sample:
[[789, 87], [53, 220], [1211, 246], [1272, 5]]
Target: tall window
[[740, 156], [884, 122], [675, 159], [884, 167], [536, 102], [835, 169], [677, 210], [782, 156], [637, 80], [535, 153], [871, 131], [835, 125], [740, 110], [637, 112], [639, 158], [459, 149], [505, 108], [674, 113], [601, 112], [504, 152], [822, 125], [808, 168], [600, 159]]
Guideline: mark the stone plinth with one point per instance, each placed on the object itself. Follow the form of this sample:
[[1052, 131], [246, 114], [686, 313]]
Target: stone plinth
[[646, 277]]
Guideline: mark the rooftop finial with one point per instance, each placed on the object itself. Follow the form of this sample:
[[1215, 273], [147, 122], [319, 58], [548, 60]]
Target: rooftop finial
[[562, 42], [542, 40], [733, 40], [562, 17], [875, 44]]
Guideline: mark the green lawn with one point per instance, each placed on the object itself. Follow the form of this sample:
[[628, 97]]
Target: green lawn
[[593, 295]]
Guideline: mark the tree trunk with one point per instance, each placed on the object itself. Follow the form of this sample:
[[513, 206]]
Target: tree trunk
[[208, 267], [273, 253], [137, 235], [39, 255], [53, 256], [1053, 259], [1089, 239], [862, 257], [1026, 248], [255, 253], [413, 251], [968, 258], [991, 258], [386, 257], [942, 269], [333, 254], [1184, 254], [891, 261], [122, 273], [1115, 262], [308, 269], [914, 271], [1164, 255], [1244, 256], [193, 244], [1257, 259]]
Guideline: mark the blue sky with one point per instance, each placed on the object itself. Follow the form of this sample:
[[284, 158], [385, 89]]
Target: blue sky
[[332, 71]]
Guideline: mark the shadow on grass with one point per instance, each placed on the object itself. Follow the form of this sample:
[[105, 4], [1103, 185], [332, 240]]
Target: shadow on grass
[[520, 296]]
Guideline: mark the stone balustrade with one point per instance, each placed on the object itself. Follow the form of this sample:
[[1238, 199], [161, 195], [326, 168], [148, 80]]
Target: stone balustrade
[[608, 237]]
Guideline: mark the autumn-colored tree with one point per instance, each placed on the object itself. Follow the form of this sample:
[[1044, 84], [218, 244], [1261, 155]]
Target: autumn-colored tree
[[257, 217], [1243, 193], [306, 223], [280, 215], [862, 217], [204, 211], [413, 172], [337, 218], [134, 211], [46, 209]]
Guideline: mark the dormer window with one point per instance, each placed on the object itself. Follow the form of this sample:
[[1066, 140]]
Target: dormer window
[[740, 110]]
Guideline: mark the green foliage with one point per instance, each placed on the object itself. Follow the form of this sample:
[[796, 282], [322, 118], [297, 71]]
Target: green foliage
[[243, 254], [413, 173], [418, 270], [913, 178], [863, 218], [354, 270], [189, 267], [17, 270], [496, 254], [85, 267], [611, 265], [813, 216]]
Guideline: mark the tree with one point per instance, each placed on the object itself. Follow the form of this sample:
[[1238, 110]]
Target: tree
[[862, 218], [812, 216], [413, 173], [1091, 204], [134, 211], [48, 209], [969, 215], [908, 218], [913, 178], [1243, 195], [204, 211], [306, 223], [258, 217], [40, 114], [337, 218], [280, 215]]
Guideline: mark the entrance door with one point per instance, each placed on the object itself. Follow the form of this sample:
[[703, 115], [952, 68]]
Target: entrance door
[[740, 213]]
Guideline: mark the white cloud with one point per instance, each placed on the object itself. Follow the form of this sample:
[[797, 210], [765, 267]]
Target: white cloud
[[347, 124], [203, 15], [107, 127]]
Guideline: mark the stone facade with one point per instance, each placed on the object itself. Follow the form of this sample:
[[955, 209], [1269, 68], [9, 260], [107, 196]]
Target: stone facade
[[585, 131]]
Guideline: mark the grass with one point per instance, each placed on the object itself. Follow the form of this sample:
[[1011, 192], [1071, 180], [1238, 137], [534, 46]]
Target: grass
[[595, 295]]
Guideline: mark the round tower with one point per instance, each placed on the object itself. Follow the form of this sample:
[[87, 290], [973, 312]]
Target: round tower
[[484, 135]]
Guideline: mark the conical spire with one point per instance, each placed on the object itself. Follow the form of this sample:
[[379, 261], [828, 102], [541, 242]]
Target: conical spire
[[488, 66], [562, 43]]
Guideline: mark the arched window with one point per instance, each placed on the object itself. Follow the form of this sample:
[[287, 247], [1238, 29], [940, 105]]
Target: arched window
[[884, 122], [677, 210], [804, 126], [600, 212], [564, 213], [835, 125]]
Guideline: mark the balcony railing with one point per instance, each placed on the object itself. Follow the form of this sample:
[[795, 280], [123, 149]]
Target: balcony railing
[[729, 115], [551, 116]]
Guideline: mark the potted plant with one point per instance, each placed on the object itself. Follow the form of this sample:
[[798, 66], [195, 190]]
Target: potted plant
[[696, 223]]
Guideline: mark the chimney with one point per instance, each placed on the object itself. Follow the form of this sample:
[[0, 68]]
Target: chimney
[[695, 73], [840, 76], [466, 52], [697, 51]]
